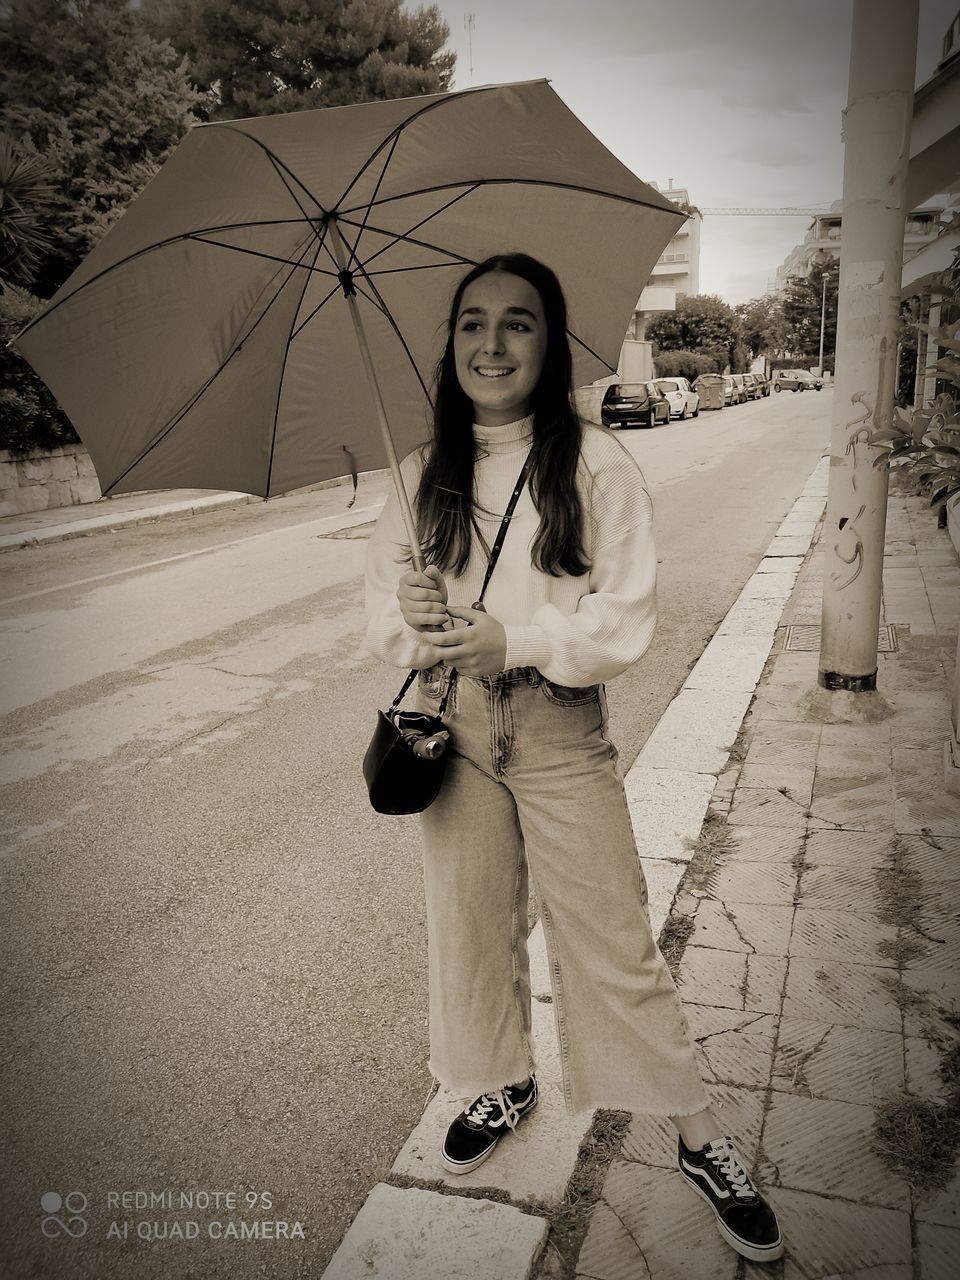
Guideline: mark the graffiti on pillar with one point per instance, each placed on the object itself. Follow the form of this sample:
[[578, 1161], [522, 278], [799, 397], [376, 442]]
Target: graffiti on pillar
[[859, 433], [849, 549]]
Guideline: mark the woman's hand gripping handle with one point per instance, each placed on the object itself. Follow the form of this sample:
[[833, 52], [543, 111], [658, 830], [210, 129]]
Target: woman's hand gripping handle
[[423, 599]]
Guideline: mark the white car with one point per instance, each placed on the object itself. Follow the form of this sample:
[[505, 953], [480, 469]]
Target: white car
[[684, 402]]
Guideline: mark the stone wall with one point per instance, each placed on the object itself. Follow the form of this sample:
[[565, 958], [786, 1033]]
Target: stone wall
[[40, 481]]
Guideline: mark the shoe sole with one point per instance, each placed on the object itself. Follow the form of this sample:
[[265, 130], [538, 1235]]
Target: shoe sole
[[756, 1253], [468, 1166]]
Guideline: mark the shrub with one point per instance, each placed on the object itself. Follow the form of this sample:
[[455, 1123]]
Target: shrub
[[685, 364], [30, 417]]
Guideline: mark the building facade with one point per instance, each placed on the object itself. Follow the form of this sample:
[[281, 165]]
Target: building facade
[[822, 241]]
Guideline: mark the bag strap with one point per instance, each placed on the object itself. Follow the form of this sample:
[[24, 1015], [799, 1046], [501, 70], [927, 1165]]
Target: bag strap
[[491, 564]]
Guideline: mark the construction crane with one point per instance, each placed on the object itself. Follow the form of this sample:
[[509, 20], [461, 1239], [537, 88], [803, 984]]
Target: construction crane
[[789, 211]]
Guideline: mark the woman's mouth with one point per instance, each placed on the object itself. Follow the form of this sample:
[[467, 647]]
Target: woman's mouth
[[492, 371]]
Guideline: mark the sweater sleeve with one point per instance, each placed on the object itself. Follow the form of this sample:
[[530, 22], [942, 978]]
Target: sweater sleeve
[[388, 556], [614, 620]]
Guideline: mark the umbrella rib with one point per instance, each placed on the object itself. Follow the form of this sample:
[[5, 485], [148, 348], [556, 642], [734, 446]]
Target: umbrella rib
[[319, 307], [426, 266], [441, 101], [283, 367], [580, 341], [277, 164], [238, 346], [416, 226], [409, 239], [352, 249], [527, 182], [400, 337], [150, 248], [267, 257]]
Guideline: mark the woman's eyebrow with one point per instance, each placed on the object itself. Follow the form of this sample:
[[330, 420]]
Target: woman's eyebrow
[[510, 311]]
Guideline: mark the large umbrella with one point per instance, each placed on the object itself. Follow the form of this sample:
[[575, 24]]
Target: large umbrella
[[205, 341]]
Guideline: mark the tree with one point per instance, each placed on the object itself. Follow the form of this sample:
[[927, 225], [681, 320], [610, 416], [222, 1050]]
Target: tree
[[684, 364], [801, 314], [762, 325], [702, 323], [85, 87], [26, 198], [261, 57]]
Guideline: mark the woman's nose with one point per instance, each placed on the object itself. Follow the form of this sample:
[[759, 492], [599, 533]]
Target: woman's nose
[[492, 342]]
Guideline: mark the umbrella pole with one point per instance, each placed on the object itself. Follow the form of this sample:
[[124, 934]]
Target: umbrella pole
[[346, 280]]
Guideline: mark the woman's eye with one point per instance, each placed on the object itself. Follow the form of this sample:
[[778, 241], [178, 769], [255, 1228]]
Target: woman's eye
[[518, 324], [469, 325]]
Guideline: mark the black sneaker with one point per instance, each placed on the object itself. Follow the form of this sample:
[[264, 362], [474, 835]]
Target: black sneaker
[[478, 1128], [718, 1173]]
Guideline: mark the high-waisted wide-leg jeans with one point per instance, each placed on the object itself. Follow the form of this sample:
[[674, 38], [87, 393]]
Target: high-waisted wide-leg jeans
[[533, 780]]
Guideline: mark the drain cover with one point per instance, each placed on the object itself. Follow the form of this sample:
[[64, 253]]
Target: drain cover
[[807, 638]]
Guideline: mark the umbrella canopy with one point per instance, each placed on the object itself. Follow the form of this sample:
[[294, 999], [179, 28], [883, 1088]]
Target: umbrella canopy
[[206, 343]]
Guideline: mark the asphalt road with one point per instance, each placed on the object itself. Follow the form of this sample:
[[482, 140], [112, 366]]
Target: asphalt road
[[213, 952]]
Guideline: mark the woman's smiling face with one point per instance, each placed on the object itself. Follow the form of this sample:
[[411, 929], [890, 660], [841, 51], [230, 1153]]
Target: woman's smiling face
[[499, 346]]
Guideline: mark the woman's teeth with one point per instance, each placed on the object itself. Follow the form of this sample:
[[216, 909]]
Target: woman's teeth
[[494, 373]]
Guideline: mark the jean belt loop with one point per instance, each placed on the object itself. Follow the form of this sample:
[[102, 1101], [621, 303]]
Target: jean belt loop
[[533, 675]]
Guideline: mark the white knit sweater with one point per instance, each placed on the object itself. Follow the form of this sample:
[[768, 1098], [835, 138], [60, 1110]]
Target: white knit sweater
[[574, 630]]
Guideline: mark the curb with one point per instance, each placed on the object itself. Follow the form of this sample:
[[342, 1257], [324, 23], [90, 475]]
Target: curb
[[669, 790], [81, 528]]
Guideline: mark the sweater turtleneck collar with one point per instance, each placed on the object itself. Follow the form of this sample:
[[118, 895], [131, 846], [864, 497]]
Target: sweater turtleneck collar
[[509, 438]]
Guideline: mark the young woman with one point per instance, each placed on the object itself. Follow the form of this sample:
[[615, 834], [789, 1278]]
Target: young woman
[[533, 778]]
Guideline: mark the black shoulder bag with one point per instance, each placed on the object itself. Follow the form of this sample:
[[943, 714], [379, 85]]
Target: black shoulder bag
[[407, 757]]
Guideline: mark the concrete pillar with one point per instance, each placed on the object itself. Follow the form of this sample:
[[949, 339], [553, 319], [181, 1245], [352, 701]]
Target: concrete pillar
[[876, 131]]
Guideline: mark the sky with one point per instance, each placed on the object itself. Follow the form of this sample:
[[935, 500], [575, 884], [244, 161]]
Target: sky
[[739, 101]]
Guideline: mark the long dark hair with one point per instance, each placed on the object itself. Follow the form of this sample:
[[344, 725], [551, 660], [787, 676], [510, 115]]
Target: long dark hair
[[445, 497]]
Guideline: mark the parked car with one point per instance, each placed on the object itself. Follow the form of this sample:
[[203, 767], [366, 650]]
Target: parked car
[[796, 380], [763, 383], [741, 388], [750, 386], [683, 400], [632, 404], [730, 393]]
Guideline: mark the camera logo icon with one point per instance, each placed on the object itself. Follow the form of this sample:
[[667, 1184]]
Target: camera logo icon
[[63, 1214]]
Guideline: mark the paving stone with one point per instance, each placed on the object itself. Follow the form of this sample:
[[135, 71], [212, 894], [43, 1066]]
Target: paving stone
[[853, 748], [842, 1064], [935, 994], [938, 1252], [412, 1234], [796, 781], [667, 807], [773, 586], [765, 807], [773, 884], [539, 961], [860, 802], [783, 701], [663, 879], [696, 731], [766, 752], [741, 926], [940, 939], [779, 559], [840, 935], [855, 850], [835, 1240], [732, 981], [795, 1141], [942, 1207], [937, 859], [850, 995], [752, 618], [669, 1233], [733, 1048], [789, 543], [775, 729], [795, 668], [763, 844], [922, 803], [652, 1140], [534, 1163], [728, 669], [922, 1061]]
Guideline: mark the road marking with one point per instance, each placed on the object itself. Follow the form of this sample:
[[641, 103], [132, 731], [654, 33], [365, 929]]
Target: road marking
[[333, 523]]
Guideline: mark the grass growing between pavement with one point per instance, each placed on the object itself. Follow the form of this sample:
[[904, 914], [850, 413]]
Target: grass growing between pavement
[[918, 1139]]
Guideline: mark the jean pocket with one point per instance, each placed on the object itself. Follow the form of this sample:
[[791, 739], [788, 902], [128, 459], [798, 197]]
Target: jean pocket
[[565, 695], [433, 681]]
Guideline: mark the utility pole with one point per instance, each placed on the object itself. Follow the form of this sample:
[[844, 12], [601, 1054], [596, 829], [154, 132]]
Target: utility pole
[[877, 124], [470, 22], [823, 322]]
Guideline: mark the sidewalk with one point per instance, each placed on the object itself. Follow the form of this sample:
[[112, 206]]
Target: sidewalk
[[803, 876]]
